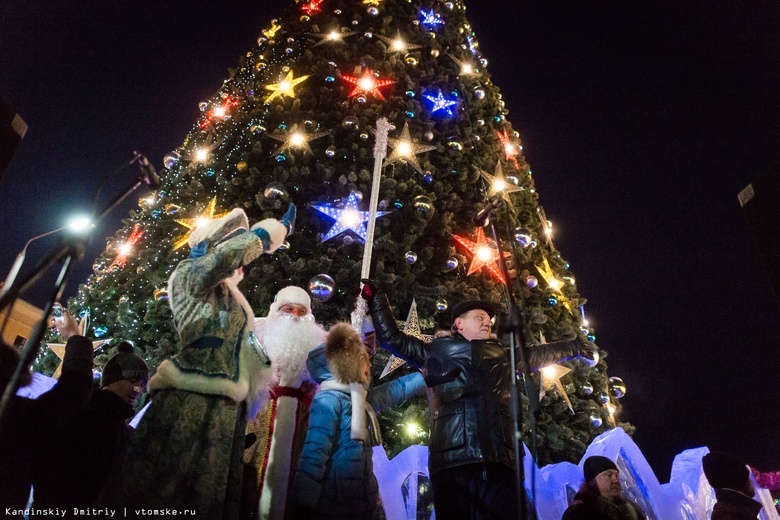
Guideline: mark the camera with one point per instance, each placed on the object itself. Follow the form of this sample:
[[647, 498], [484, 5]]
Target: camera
[[56, 312]]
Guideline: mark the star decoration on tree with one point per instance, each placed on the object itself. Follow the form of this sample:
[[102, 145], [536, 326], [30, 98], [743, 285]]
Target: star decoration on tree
[[552, 282], [59, 348], [397, 44], [499, 184], [127, 247], [366, 84], [551, 379], [441, 105], [466, 68], [200, 154], [312, 7], [331, 37], [219, 112], [411, 328], [376, 3], [296, 139], [430, 19], [192, 223], [286, 87], [483, 254], [406, 150], [511, 149], [348, 218]]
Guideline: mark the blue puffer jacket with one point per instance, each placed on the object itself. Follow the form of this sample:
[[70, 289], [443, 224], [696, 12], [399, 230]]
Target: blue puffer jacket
[[335, 478]]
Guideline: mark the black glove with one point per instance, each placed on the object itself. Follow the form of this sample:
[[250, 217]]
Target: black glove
[[441, 377], [370, 288], [590, 355], [302, 513]]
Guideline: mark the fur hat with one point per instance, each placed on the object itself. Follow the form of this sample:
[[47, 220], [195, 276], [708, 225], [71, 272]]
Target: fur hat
[[344, 350], [724, 470], [124, 365], [290, 294], [595, 465], [215, 231]]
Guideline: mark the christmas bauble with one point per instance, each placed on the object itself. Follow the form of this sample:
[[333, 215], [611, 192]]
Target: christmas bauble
[[284, 246], [602, 398], [587, 388], [442, 305], [171, 159], [161, 294], [523, 237], [595, 420], [531, 281], [275, 191], [330, 151], [100, 331], [322, 287], [479, 92], [617, 387], [424, 206], [552, 300], [410, 257], [452, 263], [350, 122]]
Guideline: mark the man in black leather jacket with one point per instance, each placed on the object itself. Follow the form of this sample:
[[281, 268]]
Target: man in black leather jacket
[[471, 458]]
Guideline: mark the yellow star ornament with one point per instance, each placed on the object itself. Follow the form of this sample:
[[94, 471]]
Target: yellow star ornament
[[405, 150], [552, 282], [551, 379], [499, 184], [411, 328], [59, 348], [192, 223], [286, 87]]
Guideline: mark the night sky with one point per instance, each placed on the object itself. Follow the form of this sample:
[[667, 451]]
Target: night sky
[[642, 121]]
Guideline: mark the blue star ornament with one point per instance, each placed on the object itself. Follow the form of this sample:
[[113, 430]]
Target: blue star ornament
[[348, 218], [430, 19], [441, 105]]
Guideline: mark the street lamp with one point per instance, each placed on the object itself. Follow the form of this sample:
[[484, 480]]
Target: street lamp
[[77, 224]]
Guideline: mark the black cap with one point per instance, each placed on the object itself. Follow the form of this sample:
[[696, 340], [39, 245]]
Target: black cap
[[464, 307], [724, 470], [596, 465]]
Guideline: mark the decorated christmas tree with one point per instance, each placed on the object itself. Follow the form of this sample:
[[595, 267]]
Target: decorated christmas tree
[[295, 122]]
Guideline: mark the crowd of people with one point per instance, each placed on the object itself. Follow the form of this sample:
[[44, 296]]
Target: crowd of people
[[275, 418]]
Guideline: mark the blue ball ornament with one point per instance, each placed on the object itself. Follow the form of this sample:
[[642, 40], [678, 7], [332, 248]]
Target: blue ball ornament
[[552, 300], [100, 331]]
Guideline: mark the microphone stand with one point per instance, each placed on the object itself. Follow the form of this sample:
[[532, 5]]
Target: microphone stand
[[515, 326], [69, 251]]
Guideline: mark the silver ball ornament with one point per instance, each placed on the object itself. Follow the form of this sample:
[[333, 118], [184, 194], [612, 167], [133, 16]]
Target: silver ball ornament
[[523, 237], [171, 159], [442, 305], [410, 257], [617, 387], [424, 206], [452, 263], [602, 398], [587, 388], [350, 123], [275, 191], [531, 282], [322, 287], [595, 420]]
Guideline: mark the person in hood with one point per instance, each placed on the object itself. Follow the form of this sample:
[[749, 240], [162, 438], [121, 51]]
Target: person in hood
[[187, 451], [335, 478], [601, 496], [733, 488]]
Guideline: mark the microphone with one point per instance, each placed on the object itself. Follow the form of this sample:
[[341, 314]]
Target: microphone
[[148, 173], [483, 216]]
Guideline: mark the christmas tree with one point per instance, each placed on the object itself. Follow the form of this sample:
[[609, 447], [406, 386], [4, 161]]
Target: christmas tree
[[294, 122]]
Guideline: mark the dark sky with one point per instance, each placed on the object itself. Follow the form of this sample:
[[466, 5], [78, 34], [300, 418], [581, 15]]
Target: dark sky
[[642, 121]]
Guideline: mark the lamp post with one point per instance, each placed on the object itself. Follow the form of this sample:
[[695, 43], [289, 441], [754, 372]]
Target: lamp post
[[76, 225]]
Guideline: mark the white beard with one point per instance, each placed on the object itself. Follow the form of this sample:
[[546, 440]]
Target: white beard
[[288, 339]]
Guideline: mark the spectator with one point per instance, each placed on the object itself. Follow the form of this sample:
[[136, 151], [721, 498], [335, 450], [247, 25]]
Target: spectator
[[601, 497], [29, 422], [75, 462], [733, 488]]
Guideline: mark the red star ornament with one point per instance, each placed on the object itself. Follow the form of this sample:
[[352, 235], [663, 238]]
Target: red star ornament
[[511, 149], [483, 254], [126, 248], [367, 84], [312, 7]]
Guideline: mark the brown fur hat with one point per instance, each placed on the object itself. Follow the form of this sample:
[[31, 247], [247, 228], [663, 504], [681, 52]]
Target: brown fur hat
[[344, 350]]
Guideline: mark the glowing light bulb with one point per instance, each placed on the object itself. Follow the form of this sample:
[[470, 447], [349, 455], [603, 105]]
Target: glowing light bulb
[[200, 221], [585, 323], [201, 154], [219, 112], [555, 284], [485, 253], [334, 36], [467, 69], [297, 139], [412, 429], [398, 44], [285, 87], [350, 218], [366, 83], [548, 371], [510, 149], [611, 408], [405, 148], [125, 249], [499, 185]]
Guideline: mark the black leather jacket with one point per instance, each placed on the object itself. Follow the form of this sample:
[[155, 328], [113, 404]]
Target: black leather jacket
[[471, 416]]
